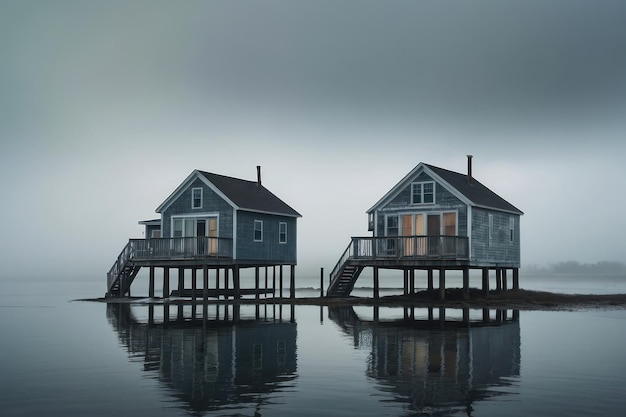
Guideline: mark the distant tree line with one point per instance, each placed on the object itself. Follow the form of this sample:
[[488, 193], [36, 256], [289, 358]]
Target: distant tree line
[[575, 267]]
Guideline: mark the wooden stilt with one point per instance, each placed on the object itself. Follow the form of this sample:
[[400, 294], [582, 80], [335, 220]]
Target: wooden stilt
[[516, 278], [151, 283], [166, 282], [442, 284], [292, 283], [405, 274], [226, 273], [281, 281], [236, 283], [412, 281], [485, 272], [274, 281], [498, 279], [465, 283], [321, 282], [256, 282], [486, 315], [181, 280], [194, 283], [376, 283], [504, 283], [205, 279], [431, 286], [265, 288]]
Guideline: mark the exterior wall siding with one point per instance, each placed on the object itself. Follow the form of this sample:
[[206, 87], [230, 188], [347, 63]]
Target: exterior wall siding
[[500, 250], [211, 203], [269, 249], [445, 201]]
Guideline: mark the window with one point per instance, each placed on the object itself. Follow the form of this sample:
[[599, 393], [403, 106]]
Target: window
[[392, 225], [196, 198], [282, 232], [449, 224], [423, 192], [258, 231], [178, 228], [490, 231], [511, 229]]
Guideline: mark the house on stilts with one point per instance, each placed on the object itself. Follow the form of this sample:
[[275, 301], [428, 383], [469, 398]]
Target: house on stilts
[[212, 224], [435, 220]]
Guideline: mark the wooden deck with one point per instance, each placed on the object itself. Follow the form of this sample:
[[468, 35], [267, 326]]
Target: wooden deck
[[194, 253], [406, 253]]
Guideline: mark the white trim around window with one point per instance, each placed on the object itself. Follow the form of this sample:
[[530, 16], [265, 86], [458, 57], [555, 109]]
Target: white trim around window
[[196, 198], [258, 231], [282, 232], [423, 192]]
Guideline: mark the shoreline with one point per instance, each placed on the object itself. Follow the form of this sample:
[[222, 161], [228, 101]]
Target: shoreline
[[511, 299]]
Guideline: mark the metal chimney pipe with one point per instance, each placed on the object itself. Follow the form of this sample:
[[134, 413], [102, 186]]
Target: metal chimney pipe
[[258, 175], [469, 169]]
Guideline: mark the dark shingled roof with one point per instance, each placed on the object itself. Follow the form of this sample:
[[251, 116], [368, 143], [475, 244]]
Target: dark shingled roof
[[248, 195], [476, 192]]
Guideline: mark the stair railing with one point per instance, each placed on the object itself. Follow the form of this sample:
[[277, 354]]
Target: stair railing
[[118, 265], [334, 274]]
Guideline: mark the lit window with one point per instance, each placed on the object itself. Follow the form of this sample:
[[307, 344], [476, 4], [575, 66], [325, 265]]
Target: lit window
[[282, 232], [196, 198], [258, 231], [423, 192]]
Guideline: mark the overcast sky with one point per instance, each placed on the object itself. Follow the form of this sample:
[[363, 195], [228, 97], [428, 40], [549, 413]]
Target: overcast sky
[[106, 106]]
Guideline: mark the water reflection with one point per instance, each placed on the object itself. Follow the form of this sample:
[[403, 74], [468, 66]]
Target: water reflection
[[436, 361], [212, 357]]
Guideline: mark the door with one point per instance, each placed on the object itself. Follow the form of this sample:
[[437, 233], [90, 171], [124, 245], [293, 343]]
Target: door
[[407, 230], [201, 236], [433, 224]]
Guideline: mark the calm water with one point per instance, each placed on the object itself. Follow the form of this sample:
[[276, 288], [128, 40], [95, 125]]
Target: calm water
[[62, 358]]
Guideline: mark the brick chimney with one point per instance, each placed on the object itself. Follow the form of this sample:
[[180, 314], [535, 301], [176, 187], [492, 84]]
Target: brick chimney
[[469, 169], [258, 175]]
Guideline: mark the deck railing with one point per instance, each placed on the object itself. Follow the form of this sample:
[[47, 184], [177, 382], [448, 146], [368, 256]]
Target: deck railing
[[181, 247], [409, 247]]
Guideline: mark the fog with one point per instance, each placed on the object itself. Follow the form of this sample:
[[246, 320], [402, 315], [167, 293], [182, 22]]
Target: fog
[[105, 107]]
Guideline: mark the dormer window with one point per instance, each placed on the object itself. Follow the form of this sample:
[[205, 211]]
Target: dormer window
[[423, 192], [196, 198]]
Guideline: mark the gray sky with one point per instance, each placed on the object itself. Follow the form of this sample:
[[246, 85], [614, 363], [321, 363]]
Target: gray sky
[[105, 107]]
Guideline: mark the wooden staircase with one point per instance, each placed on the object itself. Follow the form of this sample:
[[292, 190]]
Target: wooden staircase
[[122, 273], [344, 275]]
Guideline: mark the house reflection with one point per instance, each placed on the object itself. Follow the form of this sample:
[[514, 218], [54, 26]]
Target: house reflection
[[215, 357], [437, 361]]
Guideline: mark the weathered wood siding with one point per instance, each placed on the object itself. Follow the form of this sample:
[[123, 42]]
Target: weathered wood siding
[[445, 201], [211, 203], [270, 249], [500, 249]]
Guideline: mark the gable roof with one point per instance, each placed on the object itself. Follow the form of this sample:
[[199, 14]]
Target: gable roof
[[474, 193], [240, 194]]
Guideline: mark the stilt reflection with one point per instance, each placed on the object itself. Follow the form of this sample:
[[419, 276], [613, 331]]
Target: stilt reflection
[[437, 361], [212, 357]]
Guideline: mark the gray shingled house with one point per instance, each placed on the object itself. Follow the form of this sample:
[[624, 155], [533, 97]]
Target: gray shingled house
[[435, 219], [212, 221]]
